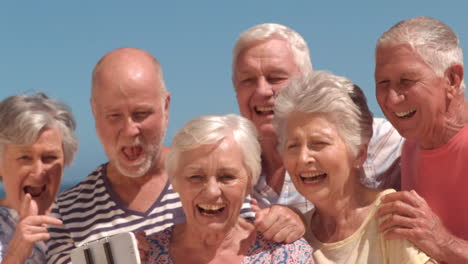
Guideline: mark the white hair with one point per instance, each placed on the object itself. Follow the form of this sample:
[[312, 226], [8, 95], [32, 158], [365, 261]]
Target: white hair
[[435, 42], [23, 117], [212, 129], [266, 31], [334, 96]]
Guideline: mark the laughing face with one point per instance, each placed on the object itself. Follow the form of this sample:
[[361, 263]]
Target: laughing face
[[410, 94], [316, 157], [131, 118], [212, 182], [260, 71], [36, 169]]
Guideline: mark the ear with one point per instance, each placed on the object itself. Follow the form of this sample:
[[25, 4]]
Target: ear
[[361, 157], [167, 103], [454, 76]]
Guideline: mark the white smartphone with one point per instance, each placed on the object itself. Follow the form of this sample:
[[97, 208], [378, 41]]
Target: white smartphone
[[118, 249]]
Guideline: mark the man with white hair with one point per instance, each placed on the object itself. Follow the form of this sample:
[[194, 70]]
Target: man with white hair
[[265, 58], [420, 88]]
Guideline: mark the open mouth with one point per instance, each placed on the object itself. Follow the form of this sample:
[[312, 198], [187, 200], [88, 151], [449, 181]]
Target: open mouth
[[264, 110], [210, 209], [406, 114], [312, 178], [132, 153], [35, 191]]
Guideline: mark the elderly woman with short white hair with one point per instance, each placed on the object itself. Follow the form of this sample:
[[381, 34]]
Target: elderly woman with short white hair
[[213, 163], [324, 127], [36, 141]]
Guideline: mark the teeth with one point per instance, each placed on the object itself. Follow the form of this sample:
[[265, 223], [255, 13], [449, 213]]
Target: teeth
[[311, 174], [264, 108], [211, 207], [403, 114]]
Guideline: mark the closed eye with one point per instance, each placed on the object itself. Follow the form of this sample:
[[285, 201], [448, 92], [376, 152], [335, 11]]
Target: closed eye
[[24, 158], [139, 116]]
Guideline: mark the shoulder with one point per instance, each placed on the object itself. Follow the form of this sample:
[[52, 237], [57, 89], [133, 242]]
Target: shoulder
[[297, 252], [385, 134], [92, 184]]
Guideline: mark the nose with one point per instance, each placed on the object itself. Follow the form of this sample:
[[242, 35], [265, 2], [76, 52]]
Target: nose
[[394, 97], [264, 87], [212, 188], [38, 169], [306, 156], [131, 127]]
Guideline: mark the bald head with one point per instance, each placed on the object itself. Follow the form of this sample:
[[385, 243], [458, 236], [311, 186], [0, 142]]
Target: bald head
[[124, 65]]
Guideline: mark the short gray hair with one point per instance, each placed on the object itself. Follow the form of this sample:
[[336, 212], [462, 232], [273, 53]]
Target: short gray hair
[[212, 129], [270, 31], [434, 41], [331, 95], [23, 117]]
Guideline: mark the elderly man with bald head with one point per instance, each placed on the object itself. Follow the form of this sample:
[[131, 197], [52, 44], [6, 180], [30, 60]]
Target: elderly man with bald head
[[131, 192]]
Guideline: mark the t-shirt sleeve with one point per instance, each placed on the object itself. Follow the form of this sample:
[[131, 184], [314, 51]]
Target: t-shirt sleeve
[[404, 252]]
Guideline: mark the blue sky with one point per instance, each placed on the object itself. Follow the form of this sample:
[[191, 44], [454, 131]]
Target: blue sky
[[52, 46]]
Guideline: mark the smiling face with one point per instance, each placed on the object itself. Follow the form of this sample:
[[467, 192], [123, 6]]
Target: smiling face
[[316, 157], [410, 94], [131, 116], [36, 169], [212, 182], [260, 71]]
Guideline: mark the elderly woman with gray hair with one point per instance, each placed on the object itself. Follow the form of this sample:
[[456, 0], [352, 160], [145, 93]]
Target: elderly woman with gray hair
[[324, 127], [36, 141], [213, 163]]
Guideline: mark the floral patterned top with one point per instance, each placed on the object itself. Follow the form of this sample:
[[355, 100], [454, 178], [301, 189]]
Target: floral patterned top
[[8, 220], [262, 251]]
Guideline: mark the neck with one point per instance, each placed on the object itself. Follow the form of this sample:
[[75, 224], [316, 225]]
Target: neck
[[342, 213], [140, 193], [272, 164], [449, 124], [192, 238]]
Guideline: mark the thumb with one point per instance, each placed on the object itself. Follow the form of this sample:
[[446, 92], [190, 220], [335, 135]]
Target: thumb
[[254, 205], [28, 207]]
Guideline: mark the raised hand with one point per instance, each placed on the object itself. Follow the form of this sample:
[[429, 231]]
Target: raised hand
[[30, 228]]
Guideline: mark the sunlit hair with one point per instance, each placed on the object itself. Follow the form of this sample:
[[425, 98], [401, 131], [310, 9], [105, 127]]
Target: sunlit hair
[[212, 129], [431, 39], [337, 98], [23, 117], [270, 31]]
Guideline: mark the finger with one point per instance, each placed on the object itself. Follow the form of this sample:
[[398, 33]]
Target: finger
[[33, 238], [254, 205], [39, 220], [403, 196], [397, 207], [264, 220], [420, 199], [286, 235], [397, 221], [33, 207], [401, 233], [25, 205]]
